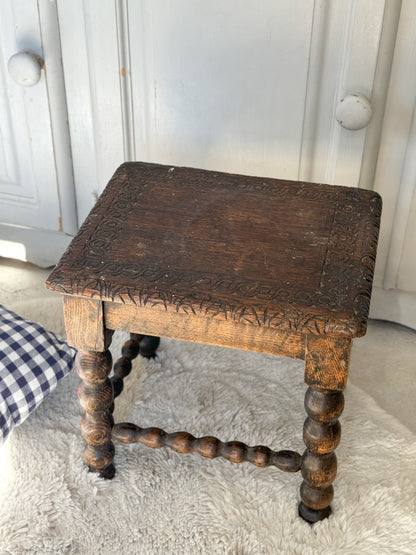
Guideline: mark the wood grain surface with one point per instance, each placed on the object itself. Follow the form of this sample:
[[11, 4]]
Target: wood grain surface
[[290, 256], [84, 323], [225, 333], [326, 362]]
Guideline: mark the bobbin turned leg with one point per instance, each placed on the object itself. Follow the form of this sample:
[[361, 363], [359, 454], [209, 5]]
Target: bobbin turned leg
[[95, 393], [326, 367], [146, 345], [85, 329], [123, 365], [321, 434]]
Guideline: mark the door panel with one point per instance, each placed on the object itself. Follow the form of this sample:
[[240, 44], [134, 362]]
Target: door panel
[[94, 70], [28, 182], [238, 86], [395, 179], [252, 87], [220, 84]]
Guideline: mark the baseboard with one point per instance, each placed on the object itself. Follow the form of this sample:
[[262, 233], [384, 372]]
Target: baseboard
[[43, 248], [395, 306]]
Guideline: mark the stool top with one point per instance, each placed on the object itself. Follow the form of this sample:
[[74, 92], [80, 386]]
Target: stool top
[[268, 252]]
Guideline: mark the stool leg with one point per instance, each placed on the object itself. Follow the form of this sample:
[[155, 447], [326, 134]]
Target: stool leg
[[321, 434], [148, 346], [123, 365], [95, 393]]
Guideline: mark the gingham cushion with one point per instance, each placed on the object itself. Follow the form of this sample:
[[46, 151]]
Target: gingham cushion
[[32, 361]]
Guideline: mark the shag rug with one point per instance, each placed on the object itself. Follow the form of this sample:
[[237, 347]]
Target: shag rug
[[163, 502]]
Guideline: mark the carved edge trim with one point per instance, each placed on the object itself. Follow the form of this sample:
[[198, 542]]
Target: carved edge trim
[[286, 318]]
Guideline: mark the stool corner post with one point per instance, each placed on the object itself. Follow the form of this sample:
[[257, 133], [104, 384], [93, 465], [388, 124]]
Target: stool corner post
[[84, 324], [327, 361], [326, 369]]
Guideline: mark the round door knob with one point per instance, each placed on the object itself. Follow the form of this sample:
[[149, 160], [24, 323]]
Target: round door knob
[[25, 68], [354, 111]]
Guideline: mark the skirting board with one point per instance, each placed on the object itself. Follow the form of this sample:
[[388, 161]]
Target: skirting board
[[395, 306], [43, 248]]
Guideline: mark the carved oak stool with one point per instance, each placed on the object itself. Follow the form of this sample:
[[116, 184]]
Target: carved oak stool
[[259, 264]]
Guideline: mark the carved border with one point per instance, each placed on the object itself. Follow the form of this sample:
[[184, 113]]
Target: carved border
[[320, 310]]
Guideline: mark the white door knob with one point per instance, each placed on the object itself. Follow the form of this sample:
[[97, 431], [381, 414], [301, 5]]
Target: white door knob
[[25, 68], [354, 111]]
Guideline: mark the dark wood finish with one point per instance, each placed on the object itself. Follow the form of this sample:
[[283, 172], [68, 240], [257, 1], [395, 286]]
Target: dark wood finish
[[268, 265], [290, 256], [137, 344], [95, 393], [208, 446], [149, 345], [321, 434], [122, 367]]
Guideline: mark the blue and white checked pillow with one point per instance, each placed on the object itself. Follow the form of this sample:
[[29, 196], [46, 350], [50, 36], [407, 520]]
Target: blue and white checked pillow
[[32, 361]]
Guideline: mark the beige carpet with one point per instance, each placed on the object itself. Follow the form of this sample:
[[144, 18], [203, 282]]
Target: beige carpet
[[162, 502]]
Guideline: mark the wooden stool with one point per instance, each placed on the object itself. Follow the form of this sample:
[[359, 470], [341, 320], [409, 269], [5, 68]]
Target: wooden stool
[[259, 264]]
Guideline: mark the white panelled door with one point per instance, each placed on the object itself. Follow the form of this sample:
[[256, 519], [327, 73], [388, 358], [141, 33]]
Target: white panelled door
[[251, 87], [394, 295], [241, 86], [294, 89], [30, 206]]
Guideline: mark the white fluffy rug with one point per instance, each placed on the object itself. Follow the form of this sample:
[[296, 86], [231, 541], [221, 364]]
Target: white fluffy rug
[[163, 502]]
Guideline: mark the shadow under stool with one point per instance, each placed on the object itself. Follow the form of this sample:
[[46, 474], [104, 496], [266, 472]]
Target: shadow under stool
[[274, 266]]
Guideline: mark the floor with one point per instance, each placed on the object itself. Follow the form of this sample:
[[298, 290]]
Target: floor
[[389, 350]]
